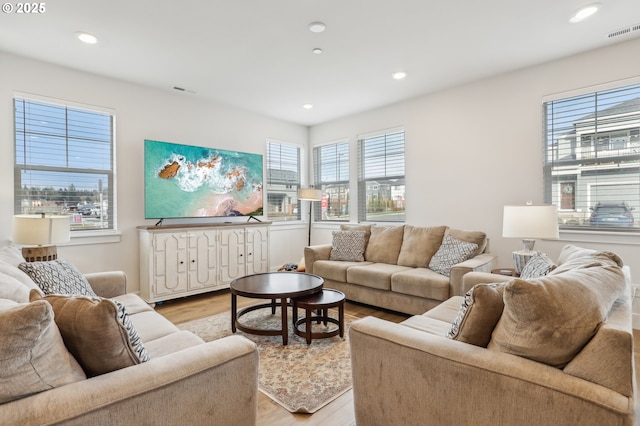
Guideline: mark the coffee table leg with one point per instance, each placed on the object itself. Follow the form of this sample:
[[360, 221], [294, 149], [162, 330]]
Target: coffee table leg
[[307, 324], [341, 319], [285, 325], [234, 306]]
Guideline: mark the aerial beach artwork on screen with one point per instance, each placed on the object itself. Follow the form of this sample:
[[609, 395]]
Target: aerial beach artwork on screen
[[192, 181]]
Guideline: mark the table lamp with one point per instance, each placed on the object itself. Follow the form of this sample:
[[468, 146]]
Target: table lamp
[[529, 222], [41, 231], [310, 195]]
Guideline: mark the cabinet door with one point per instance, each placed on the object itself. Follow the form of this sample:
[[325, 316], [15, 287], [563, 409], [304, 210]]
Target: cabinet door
[[232, 254], [169, 263], [257, 240], [203, 265]]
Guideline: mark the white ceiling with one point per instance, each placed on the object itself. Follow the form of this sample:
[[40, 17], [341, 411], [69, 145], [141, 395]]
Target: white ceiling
[[256, 54]]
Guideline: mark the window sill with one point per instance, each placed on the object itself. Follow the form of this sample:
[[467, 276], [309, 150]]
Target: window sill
[[606, 237], [93, 237]]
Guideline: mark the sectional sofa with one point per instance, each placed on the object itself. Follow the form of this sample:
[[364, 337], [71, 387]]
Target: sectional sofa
[[180, 380], [551, 350], [403, 268]]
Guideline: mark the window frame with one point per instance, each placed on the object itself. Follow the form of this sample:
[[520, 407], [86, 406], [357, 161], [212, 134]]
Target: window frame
[[107, 224], [294, 191], [341, 174], [380, 180], [602, 124]]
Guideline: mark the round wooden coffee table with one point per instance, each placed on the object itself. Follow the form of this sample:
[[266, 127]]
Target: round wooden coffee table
[[320, 302], [274, 286]]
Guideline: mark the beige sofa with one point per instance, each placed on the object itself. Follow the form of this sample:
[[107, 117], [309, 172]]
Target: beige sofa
[[186, 381], [394, 271], [560, 352]]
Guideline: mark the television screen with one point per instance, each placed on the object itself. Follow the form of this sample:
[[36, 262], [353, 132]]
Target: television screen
[[190, 181]]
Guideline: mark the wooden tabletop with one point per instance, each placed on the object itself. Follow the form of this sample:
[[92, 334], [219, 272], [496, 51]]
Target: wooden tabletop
[[276, 285]]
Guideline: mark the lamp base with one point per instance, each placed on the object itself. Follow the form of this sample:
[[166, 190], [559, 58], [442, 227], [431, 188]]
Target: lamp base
[[40, 253], [520, 258]]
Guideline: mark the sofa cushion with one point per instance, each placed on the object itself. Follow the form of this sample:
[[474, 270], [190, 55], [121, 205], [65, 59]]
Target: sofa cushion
[[58, 277], [365, 228], [451, 252], [376, 275], [570, 251], [384, 244], [347, 246], [479, 313], [419, 244], [171, 343], [476, 237], [538, 266], [11, 256], [97, 331], [550, 319], [428, 325], [335, 270], [421, 282], [12, 289], [34, 357]]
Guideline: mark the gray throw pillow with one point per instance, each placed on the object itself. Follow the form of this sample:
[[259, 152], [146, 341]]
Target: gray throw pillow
[[451, 252], [58, 277], [348, 246], [538, 266]]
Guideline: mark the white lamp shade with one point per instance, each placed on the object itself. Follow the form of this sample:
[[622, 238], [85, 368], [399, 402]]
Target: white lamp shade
[[40, 230], [309, 194], [530, 222]]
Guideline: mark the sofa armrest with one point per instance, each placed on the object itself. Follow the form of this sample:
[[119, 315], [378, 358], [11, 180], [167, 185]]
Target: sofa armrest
[[212, 383], [484, 262], [473, 278], [313, 253], [403, 376], [108, 284]]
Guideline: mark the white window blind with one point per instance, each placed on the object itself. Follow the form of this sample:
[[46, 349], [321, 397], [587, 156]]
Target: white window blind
[[331, 167], [64, 162], [592, 159], [283, 181], [381, 180]]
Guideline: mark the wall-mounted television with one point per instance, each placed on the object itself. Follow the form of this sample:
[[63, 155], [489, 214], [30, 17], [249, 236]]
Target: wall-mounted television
[[184, 181]]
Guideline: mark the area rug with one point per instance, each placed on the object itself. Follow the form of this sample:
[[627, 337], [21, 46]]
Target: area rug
[[302, 378]]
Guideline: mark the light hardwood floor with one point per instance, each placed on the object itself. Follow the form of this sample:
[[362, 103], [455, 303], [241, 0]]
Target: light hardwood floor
[[338, 413]]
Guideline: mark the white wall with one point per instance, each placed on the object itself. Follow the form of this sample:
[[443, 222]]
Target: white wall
[[474, 148], [141, 113]]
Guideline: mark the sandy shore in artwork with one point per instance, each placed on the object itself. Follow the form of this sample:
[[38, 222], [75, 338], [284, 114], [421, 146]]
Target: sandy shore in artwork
[[226, 205]]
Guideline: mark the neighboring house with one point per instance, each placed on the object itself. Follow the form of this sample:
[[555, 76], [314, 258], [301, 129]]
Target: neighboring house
[[597, 161]]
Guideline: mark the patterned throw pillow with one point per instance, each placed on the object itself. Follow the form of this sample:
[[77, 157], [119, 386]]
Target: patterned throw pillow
[[58, 277], [538, 266], [97, 331], [451, 252], [348, 246], [478, 315]]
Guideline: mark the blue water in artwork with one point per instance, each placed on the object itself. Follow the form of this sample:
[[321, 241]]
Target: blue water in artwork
[[191, 181]]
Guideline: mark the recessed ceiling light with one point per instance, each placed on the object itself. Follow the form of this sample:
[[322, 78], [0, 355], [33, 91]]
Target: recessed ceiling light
[[86, 37], [317, 27], [317, 51], [584, 12], [307, 106], [399, 75]]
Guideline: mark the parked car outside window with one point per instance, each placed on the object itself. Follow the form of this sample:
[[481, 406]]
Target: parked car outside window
[[611, 214]]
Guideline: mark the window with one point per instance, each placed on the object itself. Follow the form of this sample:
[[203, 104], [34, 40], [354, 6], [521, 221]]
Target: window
[[331, 165], [64, 162], [283, 181], [592, 159], [381, 182]]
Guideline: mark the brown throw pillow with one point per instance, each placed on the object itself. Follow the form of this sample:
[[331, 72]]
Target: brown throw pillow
[[384, 244], [97, 331], [479, 313], [34, 358], [347, 246], [419, 244], [550, 319]]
